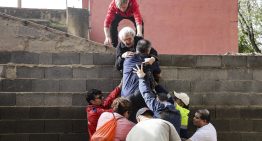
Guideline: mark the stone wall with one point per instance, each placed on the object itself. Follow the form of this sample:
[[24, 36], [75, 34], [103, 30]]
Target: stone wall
[[23, 35], [58, 16]]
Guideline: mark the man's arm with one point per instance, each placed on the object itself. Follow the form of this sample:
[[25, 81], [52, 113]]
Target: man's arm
[[108, 40], [149, 97], [147, 93], [138, 18], [108, 20], [112, 96], [153, 53]]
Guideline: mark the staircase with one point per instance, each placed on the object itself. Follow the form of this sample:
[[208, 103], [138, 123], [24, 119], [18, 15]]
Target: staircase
[[43, 94], [45, 73]]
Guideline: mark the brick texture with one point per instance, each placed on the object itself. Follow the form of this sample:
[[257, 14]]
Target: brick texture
[[25, 58], [65, 58]]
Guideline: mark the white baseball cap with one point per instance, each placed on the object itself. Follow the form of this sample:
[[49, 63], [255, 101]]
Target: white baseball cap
[[183, 97]]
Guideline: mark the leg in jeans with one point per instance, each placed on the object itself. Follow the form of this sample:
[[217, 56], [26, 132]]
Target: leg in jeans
[[113, 29]]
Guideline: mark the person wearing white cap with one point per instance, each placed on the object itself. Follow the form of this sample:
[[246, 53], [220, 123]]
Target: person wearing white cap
[[182, 105]]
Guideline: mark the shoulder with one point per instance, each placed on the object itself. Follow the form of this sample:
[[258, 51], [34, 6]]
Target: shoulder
[[205, 132], [106, 115]]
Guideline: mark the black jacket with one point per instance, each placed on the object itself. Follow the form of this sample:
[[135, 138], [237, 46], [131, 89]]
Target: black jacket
[[121, 49]]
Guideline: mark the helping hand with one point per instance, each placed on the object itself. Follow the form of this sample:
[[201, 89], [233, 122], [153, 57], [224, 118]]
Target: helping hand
[[108, 41], [140, 73], [149, 60], [127, 54]]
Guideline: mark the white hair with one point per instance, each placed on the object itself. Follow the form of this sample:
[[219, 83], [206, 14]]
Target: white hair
[[120, 2], [125, 32]]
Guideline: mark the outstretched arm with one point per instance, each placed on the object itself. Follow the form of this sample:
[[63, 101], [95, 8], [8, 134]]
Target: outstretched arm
[[112, 96], [147, 93]]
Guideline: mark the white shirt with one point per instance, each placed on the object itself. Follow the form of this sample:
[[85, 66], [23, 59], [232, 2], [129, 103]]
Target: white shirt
[[205, 133], [153, 130]]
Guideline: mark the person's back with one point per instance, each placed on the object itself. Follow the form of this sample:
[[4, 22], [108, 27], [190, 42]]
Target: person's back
[[130, 80], [205, 133], [121, 108], [172, 115], [150, 129], [123, 124]]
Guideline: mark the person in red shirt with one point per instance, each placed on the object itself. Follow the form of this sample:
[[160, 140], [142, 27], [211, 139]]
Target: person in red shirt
[[117, 11], [96, 106]]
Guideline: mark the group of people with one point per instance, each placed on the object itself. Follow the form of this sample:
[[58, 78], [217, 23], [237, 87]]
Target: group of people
[[142, 108]]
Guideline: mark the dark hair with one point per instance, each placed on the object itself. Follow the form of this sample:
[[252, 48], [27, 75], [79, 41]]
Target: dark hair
[[91, 94], [143, 46], [204, 114], [162, 96], [120, 105]]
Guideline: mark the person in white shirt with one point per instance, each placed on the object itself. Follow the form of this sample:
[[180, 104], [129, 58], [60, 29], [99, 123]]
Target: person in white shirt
[[151, 129], [206, 131]]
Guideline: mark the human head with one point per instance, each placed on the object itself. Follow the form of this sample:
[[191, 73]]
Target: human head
[[144, 112], [143, 46], [122, 4], [201, 118], [181, 99], [94, 97], [126, 36], [121, 106]]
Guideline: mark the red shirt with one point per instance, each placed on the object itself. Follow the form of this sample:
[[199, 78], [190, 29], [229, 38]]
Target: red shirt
[[132, 10], [94, 112]]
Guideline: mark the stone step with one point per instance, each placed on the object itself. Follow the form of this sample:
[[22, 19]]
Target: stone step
[[43, 126], [222, 136], [44, 137], [83, 84], [46, 71], [42, 99], [233, 125], [79, 113], [80, 126], [62, 58], [239, 136], [57, 85], [78, 99], [188, 61], [59, 72], [42, 113], [213, 86]]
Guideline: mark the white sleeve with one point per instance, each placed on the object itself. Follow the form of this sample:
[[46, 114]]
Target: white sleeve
[[198, 136], [174, 136]]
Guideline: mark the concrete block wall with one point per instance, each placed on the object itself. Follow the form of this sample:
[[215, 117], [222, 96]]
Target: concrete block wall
[[42, 95], [58, 16]]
